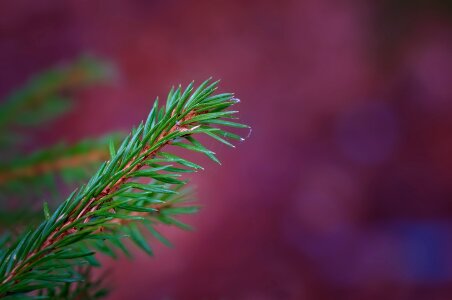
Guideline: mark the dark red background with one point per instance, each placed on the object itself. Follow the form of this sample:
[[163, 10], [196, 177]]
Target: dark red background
[[343, 190]]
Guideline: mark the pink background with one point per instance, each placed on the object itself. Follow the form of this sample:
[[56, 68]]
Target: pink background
[[343, 190]]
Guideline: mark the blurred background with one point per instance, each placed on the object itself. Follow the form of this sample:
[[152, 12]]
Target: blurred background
[[344, 188]]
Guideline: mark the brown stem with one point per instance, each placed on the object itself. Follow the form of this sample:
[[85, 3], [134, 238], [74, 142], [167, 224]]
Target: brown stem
[[53, 165], [94, 203]]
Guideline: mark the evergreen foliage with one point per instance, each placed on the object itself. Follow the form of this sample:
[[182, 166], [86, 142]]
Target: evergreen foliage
[[139, 187], [45, 97], [26, 178]]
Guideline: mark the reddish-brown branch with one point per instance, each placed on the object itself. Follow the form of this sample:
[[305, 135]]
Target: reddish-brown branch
[[96, 201], [52, 165]]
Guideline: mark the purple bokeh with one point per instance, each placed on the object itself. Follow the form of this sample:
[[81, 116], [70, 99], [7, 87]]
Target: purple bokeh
[[343, 190]]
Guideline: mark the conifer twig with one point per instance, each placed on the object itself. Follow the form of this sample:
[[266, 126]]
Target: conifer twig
[[58, 164], [45, 95], [138, 185], [55, 159]]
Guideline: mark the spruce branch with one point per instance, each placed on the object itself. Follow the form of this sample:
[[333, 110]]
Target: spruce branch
[[89, 288], [29, 177], [139, 185], [45, 97], [56, 159], [26, 177]]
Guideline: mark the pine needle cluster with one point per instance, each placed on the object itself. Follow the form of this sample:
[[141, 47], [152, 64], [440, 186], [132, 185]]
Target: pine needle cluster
[[139, 187]]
